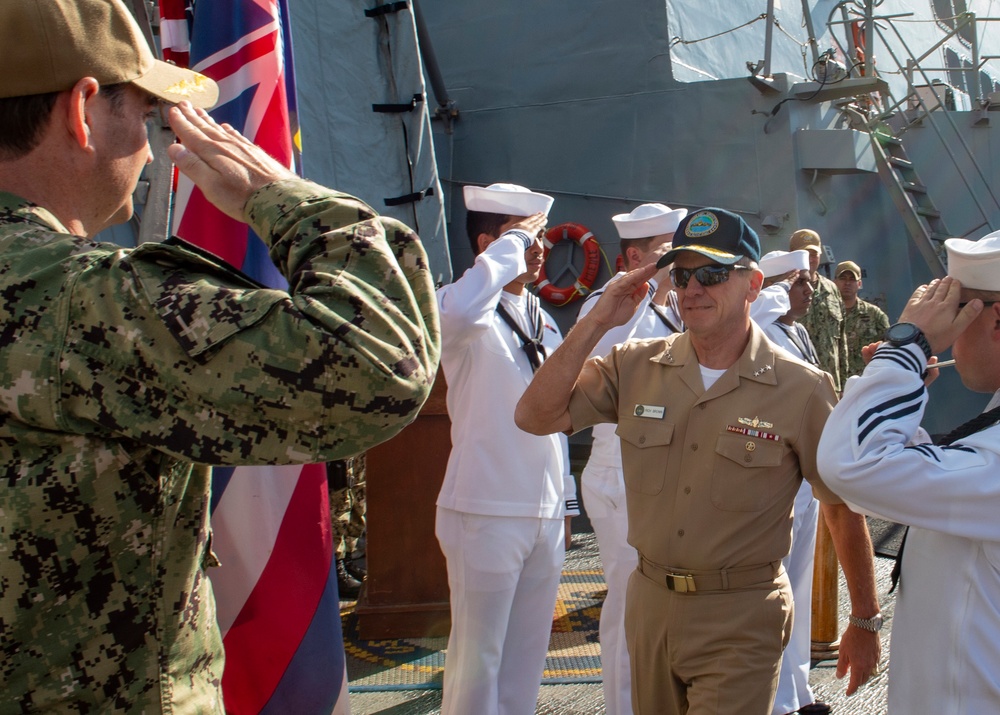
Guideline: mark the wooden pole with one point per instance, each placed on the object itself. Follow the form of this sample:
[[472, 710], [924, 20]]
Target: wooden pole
[[825, 603]]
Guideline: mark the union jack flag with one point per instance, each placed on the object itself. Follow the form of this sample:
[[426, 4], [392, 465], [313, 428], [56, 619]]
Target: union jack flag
[[276, 591]]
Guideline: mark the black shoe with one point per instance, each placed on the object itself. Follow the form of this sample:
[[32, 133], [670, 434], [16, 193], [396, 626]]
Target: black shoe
[[816, 708], [348, 586], [356, 567]]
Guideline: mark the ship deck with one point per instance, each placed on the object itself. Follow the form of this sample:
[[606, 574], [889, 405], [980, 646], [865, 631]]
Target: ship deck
[[582, 695]]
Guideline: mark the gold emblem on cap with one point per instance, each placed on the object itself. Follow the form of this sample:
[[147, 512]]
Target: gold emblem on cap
[[702, 223], [187, 87], [755, 422]]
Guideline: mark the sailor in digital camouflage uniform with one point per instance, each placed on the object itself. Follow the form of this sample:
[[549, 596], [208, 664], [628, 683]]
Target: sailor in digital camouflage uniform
[[123, 372], [346, 482], [864, 323], [718, 428], [825, 320]]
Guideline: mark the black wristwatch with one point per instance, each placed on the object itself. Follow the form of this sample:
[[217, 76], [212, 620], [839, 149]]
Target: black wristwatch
[[906, 333]]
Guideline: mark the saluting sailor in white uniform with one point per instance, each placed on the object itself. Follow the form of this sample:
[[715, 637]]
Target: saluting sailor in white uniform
[[502, 513], [645, 234], [945, 651], [794, 694]]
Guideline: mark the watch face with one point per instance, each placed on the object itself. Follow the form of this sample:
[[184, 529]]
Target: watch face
[[902, 333]]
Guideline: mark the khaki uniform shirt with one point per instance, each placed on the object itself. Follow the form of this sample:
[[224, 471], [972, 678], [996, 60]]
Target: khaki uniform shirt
[[120, 370], [711, 482], [863, 325], [825, 324]]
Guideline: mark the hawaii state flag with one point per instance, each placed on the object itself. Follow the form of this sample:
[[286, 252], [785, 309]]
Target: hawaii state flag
[[276, 591]]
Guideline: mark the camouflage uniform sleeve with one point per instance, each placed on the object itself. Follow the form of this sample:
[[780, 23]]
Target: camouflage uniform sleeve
[[865, 324], [844, 356], [881, 322], [186, 356], [825, 324]]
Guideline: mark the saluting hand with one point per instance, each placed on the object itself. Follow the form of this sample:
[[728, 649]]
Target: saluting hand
[[224, 164], [621, 297], [533, 225], [934, 308]]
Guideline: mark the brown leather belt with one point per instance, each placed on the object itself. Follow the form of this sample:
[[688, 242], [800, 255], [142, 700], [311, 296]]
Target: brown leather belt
[[684, 581]]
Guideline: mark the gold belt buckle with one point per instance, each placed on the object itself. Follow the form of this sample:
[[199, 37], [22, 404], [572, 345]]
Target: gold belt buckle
[[682, 583]]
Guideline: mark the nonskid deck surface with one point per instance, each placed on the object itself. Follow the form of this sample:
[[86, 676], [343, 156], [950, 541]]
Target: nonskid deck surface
[[404, 677]]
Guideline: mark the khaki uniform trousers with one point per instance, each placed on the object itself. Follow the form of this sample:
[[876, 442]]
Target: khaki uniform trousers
[[708, 652]]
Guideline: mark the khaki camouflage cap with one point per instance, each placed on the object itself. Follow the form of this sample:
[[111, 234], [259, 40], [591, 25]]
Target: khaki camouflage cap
[[805, 239], [49, 45], [850, 267]]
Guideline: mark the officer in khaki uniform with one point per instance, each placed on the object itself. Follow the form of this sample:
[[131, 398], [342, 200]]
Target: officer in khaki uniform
[[717, 430]]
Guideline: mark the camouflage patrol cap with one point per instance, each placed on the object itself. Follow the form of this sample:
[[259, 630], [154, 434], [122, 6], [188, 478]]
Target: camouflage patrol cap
[[49, 45]]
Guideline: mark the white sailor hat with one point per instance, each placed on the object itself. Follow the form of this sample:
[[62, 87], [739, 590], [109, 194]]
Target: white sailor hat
[[778, 263], [648, 220], [976, 264], [509, 199]]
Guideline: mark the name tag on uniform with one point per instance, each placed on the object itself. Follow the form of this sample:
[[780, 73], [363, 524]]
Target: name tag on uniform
[[654, 411]]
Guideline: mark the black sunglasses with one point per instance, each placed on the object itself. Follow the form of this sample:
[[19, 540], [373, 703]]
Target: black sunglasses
[[706, 275]]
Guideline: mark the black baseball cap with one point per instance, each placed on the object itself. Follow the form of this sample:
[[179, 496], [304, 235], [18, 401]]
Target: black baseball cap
[[714, 233]]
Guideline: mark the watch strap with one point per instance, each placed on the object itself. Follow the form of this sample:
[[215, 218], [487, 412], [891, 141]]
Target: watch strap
[[917, 337], [873, 624], [923, 344]]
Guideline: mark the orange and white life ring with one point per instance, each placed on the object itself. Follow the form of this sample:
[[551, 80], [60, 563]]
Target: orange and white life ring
[[585, 278]]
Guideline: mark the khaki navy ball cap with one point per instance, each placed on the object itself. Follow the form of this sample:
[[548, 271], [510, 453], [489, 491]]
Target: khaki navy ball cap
[[850, 267], [805, 239], [49, 45]]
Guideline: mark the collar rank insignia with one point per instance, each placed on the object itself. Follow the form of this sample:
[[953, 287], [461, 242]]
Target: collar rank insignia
[[670, 357], [755, 422], [761, 371]]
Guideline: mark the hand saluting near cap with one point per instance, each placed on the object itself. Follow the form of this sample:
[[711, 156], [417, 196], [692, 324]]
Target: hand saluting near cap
[[225, 165], [544, 407], [621, 297], [934, 308], [533, 225]]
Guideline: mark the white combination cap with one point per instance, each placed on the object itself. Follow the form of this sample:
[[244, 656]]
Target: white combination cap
[[508, 199], [778, 263], [648, 220], [976, 264]]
